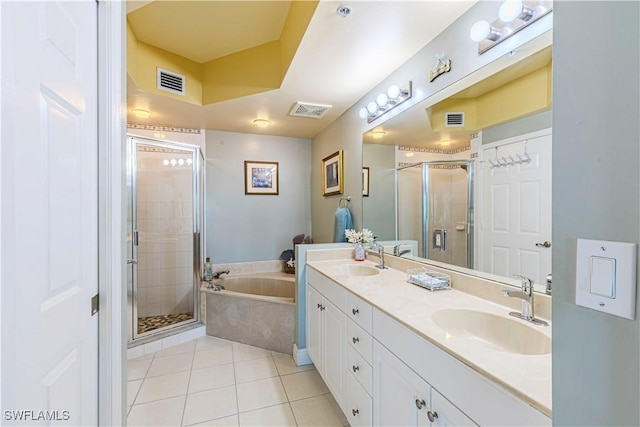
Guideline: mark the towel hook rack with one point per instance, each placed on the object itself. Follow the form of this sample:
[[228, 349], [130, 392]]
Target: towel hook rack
[[347, 199]]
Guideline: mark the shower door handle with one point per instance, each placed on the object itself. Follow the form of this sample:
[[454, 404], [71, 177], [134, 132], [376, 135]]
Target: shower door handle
[[132, 261], [135, 237]]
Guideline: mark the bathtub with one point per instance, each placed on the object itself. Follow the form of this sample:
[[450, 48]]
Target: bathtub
[[256, 309]]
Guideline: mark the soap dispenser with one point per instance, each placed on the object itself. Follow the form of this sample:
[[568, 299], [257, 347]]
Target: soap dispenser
[[208, 270]]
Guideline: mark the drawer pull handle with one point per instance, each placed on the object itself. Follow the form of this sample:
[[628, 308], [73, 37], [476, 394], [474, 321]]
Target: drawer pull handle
[[355, 339], [355, 412], [420, 403], [355, 368], [355, 311], [432, 416]]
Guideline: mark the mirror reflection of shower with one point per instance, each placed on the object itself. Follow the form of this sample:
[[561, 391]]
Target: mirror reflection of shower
[[433, 209], [164, 235]]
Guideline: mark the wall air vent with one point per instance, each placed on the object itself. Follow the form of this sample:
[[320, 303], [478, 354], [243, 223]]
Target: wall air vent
[[305, 109], [454, 120], [171, 82]]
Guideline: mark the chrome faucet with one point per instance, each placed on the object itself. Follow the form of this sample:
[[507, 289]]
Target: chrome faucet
[[526, 295], [380, 251], [217, 274], [398, 252]]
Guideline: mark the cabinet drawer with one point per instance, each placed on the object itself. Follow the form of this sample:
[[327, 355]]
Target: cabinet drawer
[[359, 404], [360, 340], [359, 311], [360, 369], [331, 290]]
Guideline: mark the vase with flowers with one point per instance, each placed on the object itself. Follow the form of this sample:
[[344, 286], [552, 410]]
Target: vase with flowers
[[359, 237]]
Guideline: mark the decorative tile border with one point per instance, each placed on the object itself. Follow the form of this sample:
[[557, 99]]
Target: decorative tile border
[[433, 150], [158, 128]]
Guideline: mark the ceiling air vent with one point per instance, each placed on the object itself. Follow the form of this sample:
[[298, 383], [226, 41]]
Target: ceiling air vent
[[454, 119], [305, 109], [171, 82]]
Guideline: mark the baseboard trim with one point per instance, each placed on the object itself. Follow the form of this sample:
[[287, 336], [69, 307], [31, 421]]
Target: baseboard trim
[[301, 356]]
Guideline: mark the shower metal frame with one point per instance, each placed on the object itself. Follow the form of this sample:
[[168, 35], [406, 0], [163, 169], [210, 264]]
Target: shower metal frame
[[425, 202], [198, 231]]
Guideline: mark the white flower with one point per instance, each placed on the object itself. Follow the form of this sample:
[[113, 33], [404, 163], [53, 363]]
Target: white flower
[[364, 236], [367, 235]]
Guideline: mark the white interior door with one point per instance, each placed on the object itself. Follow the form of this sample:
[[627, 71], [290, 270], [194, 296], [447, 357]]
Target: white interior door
[[49, 210], [516, 210]]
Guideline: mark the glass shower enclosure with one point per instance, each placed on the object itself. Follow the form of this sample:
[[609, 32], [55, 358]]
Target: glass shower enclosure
[[164, 216], [434, 206]]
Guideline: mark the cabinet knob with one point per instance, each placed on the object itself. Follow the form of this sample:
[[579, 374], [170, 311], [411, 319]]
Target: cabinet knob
[[322, 307], [355, 339], [355, 368], [432, 415], [355, 311], [355, 412], [319, 305], [420, 403]]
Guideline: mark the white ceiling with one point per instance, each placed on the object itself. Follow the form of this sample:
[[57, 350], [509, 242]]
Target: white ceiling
[[339, 60]]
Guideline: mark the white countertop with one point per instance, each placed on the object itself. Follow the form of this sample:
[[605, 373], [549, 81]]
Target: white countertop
[[526, 376]]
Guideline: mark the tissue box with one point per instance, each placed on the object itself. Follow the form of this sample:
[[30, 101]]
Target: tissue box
[[429, 279]]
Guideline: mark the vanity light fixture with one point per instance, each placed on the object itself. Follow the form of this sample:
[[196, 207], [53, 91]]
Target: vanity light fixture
[[141, 113], [262, 123], [385, 102], [514, 15]]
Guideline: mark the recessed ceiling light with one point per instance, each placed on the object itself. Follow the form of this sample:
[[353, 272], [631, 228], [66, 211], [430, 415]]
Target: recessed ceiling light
[[141, 113], [378, 134], [445, 143], [262, 123], [409, 154], [344, 11]]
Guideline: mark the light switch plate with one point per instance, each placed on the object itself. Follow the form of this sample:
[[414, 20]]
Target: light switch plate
[[606, 277]]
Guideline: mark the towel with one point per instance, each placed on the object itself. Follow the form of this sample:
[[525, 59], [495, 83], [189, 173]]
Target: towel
[[343, 222]]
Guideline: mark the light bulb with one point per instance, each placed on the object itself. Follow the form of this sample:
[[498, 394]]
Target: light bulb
[[510, 10], [363, 113], [382, 99], [165, 162], [393, 92], [181, 162], [479, 31], [173, 162], [189, 161], [372, 107]]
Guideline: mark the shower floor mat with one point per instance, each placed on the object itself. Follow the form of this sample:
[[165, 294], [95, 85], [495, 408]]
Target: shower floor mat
[[146, 324]]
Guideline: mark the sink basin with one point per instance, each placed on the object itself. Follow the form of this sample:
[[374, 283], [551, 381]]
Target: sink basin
[[499, 332], [362, 270]]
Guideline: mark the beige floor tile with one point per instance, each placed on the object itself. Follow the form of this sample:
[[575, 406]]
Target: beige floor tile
[[167, 412], [279, 415], [214, 357], [170, 365], [318, 411], [303, 384], [211, 343], [163, 387], [242, 352], [255, 369], [137, 369], [132, 391], [144, 357], [212, 377], [188, 347], [231, 421], [260, 394], [209, 405], [286, 365]]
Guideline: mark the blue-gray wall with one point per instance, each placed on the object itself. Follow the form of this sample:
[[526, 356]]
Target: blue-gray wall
[[378, 213], [517, 127], [596, 195]]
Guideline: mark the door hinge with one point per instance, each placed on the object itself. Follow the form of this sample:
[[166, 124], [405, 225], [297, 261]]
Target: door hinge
[[94, 304]]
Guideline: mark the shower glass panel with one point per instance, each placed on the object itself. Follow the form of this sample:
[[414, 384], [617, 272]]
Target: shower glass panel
[[164, 244], [409, 205]]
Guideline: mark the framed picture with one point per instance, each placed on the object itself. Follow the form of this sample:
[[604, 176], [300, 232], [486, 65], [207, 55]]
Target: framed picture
[[332, 174], [260, 177], [365, 181]]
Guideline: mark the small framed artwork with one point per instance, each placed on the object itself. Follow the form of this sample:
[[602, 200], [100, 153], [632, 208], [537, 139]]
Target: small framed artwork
[[261, 177], [365, 181], [332, 174]]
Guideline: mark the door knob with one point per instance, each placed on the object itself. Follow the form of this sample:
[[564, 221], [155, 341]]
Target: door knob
[[545, 244]]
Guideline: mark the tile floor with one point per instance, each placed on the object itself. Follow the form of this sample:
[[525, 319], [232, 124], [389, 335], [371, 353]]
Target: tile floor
[[215, 382]]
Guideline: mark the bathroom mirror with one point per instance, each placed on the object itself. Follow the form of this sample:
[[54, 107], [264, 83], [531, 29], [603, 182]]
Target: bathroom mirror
[[475, 198]]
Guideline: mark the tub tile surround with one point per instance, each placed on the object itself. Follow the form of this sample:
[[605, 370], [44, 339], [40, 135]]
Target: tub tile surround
[[526, 376]]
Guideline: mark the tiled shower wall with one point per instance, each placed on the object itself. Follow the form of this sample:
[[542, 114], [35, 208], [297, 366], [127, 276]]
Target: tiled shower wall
[[165, 225]]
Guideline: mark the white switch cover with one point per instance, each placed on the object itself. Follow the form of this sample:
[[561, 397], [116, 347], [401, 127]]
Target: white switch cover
[[606, 277]]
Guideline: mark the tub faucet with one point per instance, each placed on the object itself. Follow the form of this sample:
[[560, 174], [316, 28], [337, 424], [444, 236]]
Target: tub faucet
[[380, 251], [217, 274], [398, 252], [526, 295]]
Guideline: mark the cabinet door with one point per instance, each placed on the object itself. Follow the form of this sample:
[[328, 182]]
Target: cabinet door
[[401, 397], [445, 413], [335, 349], [314, 327]]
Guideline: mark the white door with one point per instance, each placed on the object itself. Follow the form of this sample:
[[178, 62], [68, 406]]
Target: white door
[[517, 211], [49, 210]]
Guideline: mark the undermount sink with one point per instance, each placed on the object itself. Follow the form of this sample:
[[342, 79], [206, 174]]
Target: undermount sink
[[503, 333], [362, 270]]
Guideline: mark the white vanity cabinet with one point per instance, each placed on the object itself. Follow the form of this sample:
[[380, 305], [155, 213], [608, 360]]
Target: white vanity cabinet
[[326, 334]]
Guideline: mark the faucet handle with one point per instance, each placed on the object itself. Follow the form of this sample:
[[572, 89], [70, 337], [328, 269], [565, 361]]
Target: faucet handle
[[527, 284]]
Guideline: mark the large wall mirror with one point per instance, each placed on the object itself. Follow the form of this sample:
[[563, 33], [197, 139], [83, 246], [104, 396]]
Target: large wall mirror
[[465, 182]]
